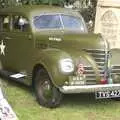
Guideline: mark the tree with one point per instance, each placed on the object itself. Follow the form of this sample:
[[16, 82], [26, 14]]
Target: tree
[[89, 14], [50, 2], [6, 3]]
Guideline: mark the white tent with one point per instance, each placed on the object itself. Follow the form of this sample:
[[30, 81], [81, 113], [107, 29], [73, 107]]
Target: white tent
[[6, 112]]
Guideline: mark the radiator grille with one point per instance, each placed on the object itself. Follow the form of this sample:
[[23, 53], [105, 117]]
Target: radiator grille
[[115, 69], [100, 58]]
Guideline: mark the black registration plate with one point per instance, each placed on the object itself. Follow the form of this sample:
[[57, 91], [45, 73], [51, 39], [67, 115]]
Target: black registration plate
[[107, 94]]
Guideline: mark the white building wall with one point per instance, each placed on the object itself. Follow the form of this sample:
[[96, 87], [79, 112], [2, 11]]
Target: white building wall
[[107, 21]]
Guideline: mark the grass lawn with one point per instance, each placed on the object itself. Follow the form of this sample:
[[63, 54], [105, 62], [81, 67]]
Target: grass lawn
[[73, 107]]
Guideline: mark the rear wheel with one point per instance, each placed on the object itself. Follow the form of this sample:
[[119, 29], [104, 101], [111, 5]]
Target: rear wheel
[[47, 94]]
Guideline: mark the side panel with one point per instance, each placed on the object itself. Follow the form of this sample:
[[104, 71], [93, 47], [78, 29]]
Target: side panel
[[114, 65]]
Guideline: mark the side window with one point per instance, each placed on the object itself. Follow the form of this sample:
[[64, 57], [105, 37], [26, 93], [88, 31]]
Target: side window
[[4, 23], [20, 23]]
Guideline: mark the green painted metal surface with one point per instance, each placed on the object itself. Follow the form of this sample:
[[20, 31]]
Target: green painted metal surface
[[26, 49]]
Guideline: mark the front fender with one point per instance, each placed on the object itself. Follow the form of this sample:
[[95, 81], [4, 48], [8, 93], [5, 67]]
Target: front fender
[[50, 58], [89, 61], [114, 65], [115, 57]]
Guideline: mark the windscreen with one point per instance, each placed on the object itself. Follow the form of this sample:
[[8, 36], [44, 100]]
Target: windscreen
[[71, 22], [58, 21]]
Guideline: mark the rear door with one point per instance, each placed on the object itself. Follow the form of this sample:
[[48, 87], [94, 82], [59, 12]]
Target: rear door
[[4, 33], [22, 43], [19, 44], [50, 30]]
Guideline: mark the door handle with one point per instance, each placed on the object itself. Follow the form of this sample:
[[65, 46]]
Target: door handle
[[8, 38]]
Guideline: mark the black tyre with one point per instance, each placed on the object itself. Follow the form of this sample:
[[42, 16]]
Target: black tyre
[[47, 94]]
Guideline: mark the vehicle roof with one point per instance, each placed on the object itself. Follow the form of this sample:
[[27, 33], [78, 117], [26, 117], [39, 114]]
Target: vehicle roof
[[29, 9]]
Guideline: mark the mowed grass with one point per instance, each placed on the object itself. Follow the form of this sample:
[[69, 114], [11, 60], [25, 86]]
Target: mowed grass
[[73, 107]]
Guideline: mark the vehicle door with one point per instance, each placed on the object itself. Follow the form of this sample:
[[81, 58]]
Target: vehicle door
[[19, 44], [4, 33], [50, 30]]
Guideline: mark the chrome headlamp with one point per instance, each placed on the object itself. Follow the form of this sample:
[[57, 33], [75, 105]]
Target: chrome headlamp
[[66, 65]]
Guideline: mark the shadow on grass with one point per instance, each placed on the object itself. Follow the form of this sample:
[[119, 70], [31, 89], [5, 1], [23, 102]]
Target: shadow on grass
[[70, 100], [8, 82], [85, 99]]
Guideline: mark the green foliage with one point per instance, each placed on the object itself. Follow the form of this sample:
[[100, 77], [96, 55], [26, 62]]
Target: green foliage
[[42, 1], [89, 14], [6, 3]]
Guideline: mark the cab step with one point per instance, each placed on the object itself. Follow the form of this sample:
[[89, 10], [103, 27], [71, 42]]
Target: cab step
[[14, 76], [17, 76]]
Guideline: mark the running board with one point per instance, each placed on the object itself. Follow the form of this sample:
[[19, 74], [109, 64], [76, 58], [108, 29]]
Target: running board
[[14, 76], [17, 76]]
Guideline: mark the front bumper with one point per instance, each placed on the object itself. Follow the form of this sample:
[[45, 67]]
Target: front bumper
[[88, 88]]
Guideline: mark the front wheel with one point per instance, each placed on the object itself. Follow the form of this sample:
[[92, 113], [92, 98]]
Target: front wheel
[[47, 94]]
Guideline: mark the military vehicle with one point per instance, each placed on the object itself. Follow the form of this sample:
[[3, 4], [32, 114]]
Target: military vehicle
[[50, 49]]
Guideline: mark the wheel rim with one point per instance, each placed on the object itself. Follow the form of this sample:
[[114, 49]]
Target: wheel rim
[[45, 90], [47, 94]]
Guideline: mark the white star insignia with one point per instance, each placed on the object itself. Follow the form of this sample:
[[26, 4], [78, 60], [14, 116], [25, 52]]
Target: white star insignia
[[2, 48]]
